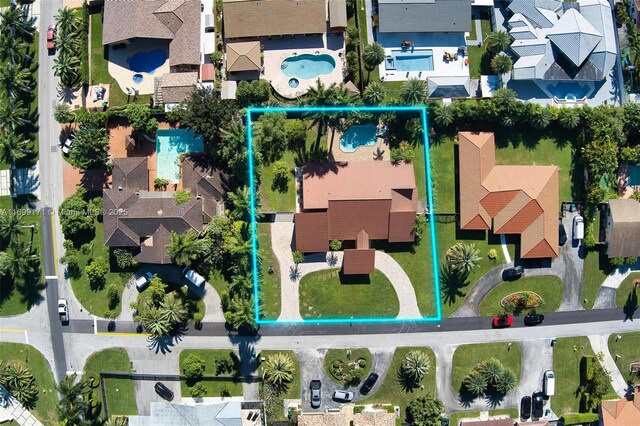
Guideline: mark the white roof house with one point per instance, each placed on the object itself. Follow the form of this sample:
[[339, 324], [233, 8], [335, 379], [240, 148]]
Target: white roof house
[[560, 41]]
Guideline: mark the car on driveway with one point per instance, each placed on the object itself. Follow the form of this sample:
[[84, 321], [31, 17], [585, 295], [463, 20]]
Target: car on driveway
[[342, 396], [512, 273], [538, 404], [578, 228], [562, 234], [533, 319], [315, 387], [51, 37], [502, 321], [525, 407], [369, 383], [66, 148], [163, 391], [143, 281]]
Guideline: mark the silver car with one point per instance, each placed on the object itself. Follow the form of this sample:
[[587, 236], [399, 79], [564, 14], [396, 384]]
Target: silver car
[[342, 396]]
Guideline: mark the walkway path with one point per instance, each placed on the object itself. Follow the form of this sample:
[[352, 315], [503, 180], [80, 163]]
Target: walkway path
[[600, 345], [607, 294], [281, 243], [478, 39], [505, 249], [16, 411]]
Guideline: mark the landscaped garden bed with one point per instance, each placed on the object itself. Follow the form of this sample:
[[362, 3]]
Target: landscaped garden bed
[[546, 289], [347, 367], [216, 362], [120, 392]]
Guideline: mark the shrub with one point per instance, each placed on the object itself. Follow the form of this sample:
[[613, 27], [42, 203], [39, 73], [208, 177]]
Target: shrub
[[579, 418], [418, 227], [124, 258], [112, 292], [97, 271], [362, 363], [198, 390], [198, 317], [336, 364], [425, 411], [617, 261], [630, 261], [335, 245], [280, 176], [404, 153], [160, 183], [223, 365], [182, 196], [193, 367], [492, 255]]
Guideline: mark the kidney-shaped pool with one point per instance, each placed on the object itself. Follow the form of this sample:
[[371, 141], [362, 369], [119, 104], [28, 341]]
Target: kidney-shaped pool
[[306, 66]]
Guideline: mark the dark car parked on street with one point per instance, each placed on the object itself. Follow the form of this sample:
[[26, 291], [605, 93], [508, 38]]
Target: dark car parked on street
[[163, 391], [512, 273], [368, 384], [538, 404], [563, 234], [525, 407], [533, 319]]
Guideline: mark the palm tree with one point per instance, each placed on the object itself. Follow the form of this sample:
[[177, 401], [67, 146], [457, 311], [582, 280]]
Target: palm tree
[[15, 77], [15, 24], [12, 113], [443, 116], [22, 261], [297, 257], [415, 366], [117, 421], [241, 314], [504, 99], [241, 201], [154, 322], [507, 381], [73, 402], [463, 257], [66, 68], [10, 228], [67, 43], [374, 93], [66, 20], [498, 41], [13, 147], [186, 248], [414, 91], [501, 63], [320, 96], [475, 383], [569, 118], [491, 369], [372, 56], [62, 113], [173, 310], [12, 49], [540, 118], [278, 369], [241, 285]]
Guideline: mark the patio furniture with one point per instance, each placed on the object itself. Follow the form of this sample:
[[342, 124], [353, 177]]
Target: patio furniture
[[634, 368]]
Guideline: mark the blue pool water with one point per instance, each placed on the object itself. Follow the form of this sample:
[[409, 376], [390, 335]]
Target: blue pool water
[[570, 91], [358, 135], [634, 175], [170, 143], [411, 60], [306, 67], [147, 61]]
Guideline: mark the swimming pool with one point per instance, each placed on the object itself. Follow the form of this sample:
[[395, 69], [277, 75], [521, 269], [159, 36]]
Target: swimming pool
[[358, 135], [170, 143], [634, 176], [569, 91], [147, 61], [306, 66], [410, 60]]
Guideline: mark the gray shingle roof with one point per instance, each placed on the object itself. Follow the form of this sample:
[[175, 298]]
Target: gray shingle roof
[[624, 238], [168, 414], [408, 16], [574, 36], [448, 87]]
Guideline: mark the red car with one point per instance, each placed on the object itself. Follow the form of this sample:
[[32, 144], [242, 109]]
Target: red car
[[51, 37], [502, 321]]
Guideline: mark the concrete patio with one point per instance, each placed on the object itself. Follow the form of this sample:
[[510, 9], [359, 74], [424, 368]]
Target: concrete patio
[[119, 65]]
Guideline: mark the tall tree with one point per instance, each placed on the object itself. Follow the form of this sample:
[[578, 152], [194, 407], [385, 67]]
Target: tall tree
[[66, 68], [12, 113], [372, 56], [13, 147], [501, 63], [374, 93], [463, 257], [415, 366], [414, 91], [15, 24], [14, 78], [74, 404], [443, 116], [66, 20], [173, 310], [10, 226], [270, 136], [241, 314], [186, 248], [425, 411], [90, 147], [278, 369], [498, 41]]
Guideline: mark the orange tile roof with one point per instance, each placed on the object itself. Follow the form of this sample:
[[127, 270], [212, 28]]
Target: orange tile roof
[[508, 199], [621, 412], [359, 261], [312, 231]]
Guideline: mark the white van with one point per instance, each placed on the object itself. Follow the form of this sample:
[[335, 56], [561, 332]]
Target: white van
[[549, 383], [193, 277], [578, 228]]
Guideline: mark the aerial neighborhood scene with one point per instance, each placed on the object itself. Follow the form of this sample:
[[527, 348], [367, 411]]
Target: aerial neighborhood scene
[[320, 212]]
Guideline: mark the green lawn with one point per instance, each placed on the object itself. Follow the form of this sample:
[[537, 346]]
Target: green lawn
[[269, 283], [347, 363], [455, 418], [596, 269], [627, 293], [5, 3], [393, 391], [567, 353], [45, 409], [392, 90], [419, 170], [99, 66], [293, 390], [548, 287], [468, 356], [329, 294], [18, 296], [214, 387], [121, 398], [443, 175], [628, 348]]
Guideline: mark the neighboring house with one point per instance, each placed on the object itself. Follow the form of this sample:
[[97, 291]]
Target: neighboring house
[[173, 88], [520, 200], [623, 228], [143, 220], [424, 16], [621, 412], [562, 41], [634, 14], [494, 422], [171, 414], [356, 202], [346, 416]]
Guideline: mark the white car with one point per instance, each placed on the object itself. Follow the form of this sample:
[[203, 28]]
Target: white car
[[342, 396], [143, 281], [578, 228], [66, 148], [193, 277]]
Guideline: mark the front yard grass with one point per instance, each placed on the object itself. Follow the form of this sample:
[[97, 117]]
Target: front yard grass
[[214, 388], [567, 353], [392, 390], [347, 364], [293, 388], [596, 269], [269, 283], [468, 356], [18, 296], [627, 293], [329, 294], [29, 356], [455, 418], [628, 348], [121, 397], [548, 287]]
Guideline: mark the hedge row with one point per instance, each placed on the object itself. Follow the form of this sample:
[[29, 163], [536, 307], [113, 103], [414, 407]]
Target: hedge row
[[579, 418]]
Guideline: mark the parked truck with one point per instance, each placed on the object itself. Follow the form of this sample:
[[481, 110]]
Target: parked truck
[[63, 310]]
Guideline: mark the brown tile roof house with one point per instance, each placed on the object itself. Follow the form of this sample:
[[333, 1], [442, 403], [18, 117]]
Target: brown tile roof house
[[243, 56], [174, 20], [495, 422], [175, 87], [508, 199], [136, 217], [346, 417], [357, 201], [263, 18], [623, 228], [621, 412]]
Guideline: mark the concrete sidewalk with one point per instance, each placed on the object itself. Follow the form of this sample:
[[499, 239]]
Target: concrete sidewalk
[[599, 344]]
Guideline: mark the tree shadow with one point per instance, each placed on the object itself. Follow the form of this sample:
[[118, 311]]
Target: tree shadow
[[631, 305], [294, 273], [408, 385], [494, 398], [164, 344], [451, 281], [465, 398]]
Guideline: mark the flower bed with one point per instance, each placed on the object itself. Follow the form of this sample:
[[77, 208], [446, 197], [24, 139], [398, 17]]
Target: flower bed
[[522, 300]]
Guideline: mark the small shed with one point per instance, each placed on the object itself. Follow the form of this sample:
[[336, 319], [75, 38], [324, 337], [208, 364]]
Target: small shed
[[207, 72]]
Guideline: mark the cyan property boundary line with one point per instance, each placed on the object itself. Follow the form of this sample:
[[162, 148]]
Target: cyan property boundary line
[[422, 110]]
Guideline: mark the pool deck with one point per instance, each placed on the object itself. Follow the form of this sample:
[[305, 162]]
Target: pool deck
[[379, 151], [119, 68], [438, 43], [277, 50]]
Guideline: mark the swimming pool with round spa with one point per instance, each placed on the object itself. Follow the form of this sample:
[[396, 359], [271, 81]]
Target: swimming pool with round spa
[[307, 67]]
